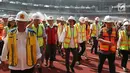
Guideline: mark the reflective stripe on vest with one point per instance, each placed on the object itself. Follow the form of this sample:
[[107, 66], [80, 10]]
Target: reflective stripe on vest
[[68, 37], [125, 41], [39, 32], [82, 30], [30, 49], [94, 30], [106, 47]]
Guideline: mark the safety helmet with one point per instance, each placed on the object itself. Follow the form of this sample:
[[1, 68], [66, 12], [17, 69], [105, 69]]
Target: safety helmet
[[50, 18], [11, 19], [22, 16], [62, 18], [5, 16], [82, 20], [126, 23], [125, 20], [36, 16], [86, 19], [58, 19], [97, 18], [71, 18], [108, 19]]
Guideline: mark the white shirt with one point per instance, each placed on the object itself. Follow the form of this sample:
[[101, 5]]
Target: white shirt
[[21, 44]]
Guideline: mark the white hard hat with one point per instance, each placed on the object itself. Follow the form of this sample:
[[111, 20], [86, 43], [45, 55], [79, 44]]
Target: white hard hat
[[22, 16], [86, 19], [81, 19], [126, 23], [5, 16], [36, 16], [125, 20], [62, 18], [50, 18], [44, 19], [108, 19], [71, 18], [58, 19], [11, 19], [97, 18]]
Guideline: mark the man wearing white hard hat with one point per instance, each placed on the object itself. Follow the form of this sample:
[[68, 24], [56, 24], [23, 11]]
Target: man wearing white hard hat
[[70, 43], [107, 45], [87, 28], [61, 26], [94, 31], [5, 19], [51, 32], [44, 22], [22, 47], [39, 29], [11, 25], [82, 30], [58, 20], [123, 45]]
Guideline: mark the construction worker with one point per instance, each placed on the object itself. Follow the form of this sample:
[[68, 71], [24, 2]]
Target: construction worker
[[61, 26], [58, 20], [5, 19], [11, 25], [123, 44], [70, 43], [22, 46], [87, 29], [44, 23], [87, 35], [39, 29], [51, 32], [82, 31], [94, 30], [107, 42]]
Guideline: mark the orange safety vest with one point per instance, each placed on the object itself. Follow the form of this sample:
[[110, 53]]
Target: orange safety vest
[[112, 38]]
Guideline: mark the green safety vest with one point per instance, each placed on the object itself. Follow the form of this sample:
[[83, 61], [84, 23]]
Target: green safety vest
[[125, 41], [39, 33]]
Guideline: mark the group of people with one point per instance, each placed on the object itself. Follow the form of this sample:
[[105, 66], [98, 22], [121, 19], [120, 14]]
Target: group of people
[[28, 44]]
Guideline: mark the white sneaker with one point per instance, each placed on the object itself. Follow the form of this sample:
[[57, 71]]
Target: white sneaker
[[125, 69]]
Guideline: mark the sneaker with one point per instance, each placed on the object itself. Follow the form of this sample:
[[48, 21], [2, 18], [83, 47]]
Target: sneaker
[[125, 69], [78, 63]]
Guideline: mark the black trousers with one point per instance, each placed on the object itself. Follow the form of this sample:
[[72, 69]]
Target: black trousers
[[1, 46], [124, 58], [94, 45], [23, 71], [42, 52], [83, 47], [60, 51], [111, 60], [67, 57], [50, 52]]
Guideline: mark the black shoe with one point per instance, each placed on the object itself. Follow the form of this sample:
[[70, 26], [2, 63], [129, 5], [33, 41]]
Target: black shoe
[[78, 63], [72, 69]]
